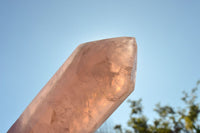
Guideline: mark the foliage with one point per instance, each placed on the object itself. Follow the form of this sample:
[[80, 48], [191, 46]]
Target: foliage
[[171, 120]]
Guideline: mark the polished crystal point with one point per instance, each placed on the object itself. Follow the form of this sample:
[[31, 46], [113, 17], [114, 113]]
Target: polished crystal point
[[85, 91]]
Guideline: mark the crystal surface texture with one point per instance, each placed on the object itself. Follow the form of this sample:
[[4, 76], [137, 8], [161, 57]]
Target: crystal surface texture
[[84, 92]]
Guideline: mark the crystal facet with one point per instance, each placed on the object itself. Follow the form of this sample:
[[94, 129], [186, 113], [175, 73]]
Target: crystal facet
[[84, 92]]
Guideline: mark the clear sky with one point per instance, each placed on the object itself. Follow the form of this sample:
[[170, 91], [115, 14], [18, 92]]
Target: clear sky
[[37, 36]]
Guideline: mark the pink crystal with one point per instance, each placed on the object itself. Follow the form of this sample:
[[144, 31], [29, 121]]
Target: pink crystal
[[85, 91]]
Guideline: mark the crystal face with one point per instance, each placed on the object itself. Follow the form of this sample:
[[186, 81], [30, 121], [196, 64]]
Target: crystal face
[[85, 91]]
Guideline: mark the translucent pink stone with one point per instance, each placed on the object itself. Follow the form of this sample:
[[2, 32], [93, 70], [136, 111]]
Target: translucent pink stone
[[85, 91]]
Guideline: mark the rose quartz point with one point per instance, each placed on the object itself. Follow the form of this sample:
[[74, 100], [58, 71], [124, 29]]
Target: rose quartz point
[[85, 91]]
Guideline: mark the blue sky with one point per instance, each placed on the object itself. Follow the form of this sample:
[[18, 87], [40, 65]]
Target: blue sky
[[36, 37]]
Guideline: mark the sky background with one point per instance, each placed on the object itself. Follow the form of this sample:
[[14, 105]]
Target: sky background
[[36, 37]]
